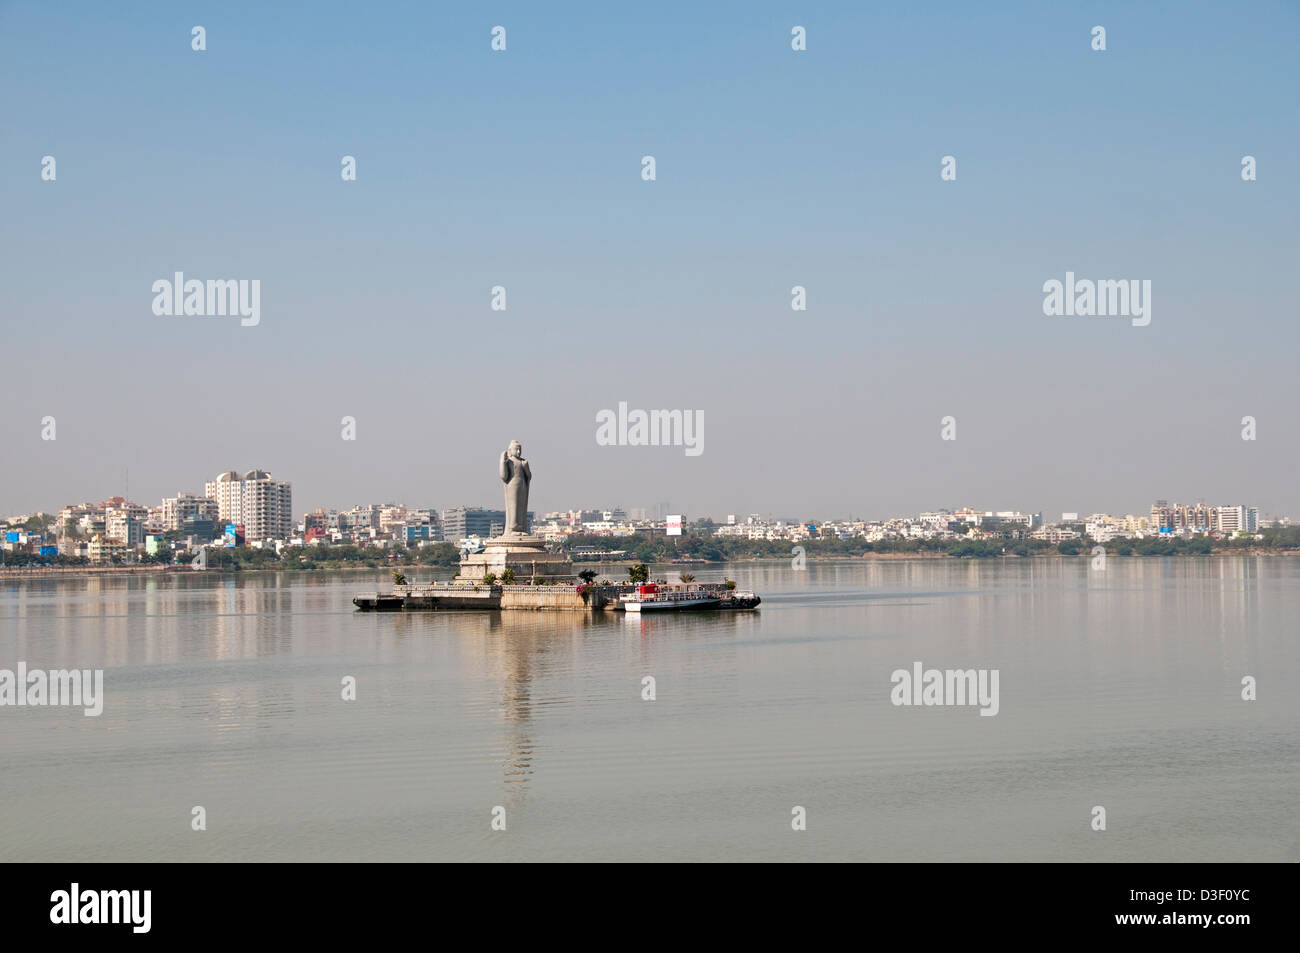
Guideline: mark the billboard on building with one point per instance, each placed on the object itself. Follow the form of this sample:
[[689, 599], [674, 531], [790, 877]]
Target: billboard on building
[[233, 536], [674, 525]]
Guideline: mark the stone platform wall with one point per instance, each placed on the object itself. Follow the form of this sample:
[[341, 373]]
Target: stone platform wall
[[542, 597], [462, 597]]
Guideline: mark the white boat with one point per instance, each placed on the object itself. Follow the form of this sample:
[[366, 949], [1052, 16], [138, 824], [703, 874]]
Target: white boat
[[651, 597]]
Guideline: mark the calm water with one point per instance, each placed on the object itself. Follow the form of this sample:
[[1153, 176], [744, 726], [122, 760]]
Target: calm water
[[1118, 688]]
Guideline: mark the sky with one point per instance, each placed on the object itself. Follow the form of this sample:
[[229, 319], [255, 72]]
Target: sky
[[774, 168]]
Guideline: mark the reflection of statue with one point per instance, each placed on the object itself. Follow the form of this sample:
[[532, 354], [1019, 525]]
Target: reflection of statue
[[516, 475]]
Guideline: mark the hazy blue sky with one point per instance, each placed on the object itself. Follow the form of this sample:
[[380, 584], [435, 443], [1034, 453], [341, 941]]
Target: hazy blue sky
[[775, 168]]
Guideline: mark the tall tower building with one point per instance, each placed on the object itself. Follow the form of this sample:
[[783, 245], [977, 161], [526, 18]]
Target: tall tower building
[[263, 505]]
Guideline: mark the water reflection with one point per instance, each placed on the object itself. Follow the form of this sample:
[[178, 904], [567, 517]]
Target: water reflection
[[1125, 679]]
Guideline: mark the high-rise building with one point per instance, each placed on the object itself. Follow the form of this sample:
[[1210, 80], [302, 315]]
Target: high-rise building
[[1237, 519], [177, 509], [263, 505], [461, 521], [120, 525], [392, 515]]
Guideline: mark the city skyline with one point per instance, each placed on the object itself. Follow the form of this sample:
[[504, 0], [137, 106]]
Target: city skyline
[[795, 512], [255, 511], [1196, 514]]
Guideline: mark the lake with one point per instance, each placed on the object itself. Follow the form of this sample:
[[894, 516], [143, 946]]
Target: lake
[[1118, 688]]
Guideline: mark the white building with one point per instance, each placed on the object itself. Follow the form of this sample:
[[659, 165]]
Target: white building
[[177, 509], [263, 505], [1103, 527], [1054, 534], [1236, 519], [121, 527], [937, 517], [392, 516]]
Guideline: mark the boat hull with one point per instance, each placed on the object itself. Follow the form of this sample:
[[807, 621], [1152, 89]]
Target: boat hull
[[667, 606]]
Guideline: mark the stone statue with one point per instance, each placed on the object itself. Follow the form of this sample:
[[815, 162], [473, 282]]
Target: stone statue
[[525, 555], [516, 475]]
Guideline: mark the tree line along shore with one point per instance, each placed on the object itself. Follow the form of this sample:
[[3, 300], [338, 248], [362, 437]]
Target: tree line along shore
[[687, 549]]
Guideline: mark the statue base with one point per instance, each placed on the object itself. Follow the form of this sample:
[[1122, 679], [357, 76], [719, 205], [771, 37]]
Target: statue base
[[527, 555]]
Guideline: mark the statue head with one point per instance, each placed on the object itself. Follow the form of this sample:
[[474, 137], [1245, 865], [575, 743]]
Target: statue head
[[514, 451]]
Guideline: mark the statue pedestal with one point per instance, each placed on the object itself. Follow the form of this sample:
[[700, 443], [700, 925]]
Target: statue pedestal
[[526, 555]]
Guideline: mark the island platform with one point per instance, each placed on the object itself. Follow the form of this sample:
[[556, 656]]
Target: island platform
[[453, 597]]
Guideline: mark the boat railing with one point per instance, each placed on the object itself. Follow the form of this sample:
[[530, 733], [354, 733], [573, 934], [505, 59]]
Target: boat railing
[[672, 594]]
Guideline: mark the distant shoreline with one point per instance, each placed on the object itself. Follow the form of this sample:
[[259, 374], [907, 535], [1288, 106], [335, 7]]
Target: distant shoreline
[[60, 572], [72, 571]]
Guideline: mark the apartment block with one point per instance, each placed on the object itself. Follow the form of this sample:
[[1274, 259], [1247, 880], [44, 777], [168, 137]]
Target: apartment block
[[261, 503]]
